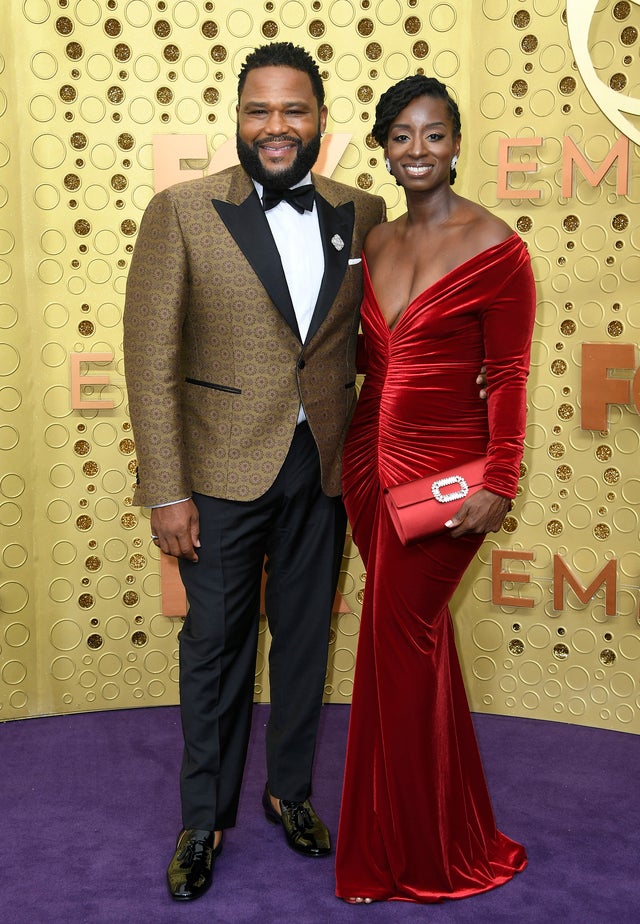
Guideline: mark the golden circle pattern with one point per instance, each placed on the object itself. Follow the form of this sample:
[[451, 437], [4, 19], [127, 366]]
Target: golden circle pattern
[[618, 82], [571, 223], [622, 10], [316, 28], [78, 140], [365, 94], [603, 453], [144, 77], [373, 51], [555, 527], [64, 25], [210, 29]]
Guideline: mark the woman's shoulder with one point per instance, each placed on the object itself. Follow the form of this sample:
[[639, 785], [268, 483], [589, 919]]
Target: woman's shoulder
[[482, 226], [379, 236]]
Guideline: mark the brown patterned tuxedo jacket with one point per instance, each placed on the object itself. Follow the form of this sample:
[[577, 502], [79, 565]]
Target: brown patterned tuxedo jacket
[[215, 367]]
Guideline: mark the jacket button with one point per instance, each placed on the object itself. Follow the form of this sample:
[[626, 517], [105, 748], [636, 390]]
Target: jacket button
[[301, 364]]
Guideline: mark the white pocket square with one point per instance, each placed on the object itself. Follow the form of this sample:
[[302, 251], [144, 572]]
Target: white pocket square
[[355, 260]]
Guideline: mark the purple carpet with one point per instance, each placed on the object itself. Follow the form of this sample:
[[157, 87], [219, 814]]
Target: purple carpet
[[89, 811]]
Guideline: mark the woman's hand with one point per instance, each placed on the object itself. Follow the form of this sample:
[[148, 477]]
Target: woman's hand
[[481, 380], [483, 512]]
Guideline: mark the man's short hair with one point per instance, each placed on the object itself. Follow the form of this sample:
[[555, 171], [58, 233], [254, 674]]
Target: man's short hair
[[283, 54]]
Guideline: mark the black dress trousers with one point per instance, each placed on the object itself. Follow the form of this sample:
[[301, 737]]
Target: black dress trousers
[[300, 532]]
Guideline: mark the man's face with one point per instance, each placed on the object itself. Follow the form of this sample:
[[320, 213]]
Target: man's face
[[279, 126]]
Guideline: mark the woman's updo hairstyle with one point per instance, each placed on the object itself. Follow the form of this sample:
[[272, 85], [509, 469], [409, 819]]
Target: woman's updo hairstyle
[[394, 100]]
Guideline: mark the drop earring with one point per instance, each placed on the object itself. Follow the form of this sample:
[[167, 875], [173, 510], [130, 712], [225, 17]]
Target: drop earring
[[387, 164], [452, 170]]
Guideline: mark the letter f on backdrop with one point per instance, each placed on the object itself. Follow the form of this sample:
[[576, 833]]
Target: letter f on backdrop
[[599, 388]]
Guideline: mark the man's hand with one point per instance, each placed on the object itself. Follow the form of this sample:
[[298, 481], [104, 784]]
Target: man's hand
[[176, 529], [482, 382], [483, 512]]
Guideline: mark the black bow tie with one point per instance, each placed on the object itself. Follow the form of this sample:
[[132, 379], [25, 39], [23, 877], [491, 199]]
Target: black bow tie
[[301, 198]]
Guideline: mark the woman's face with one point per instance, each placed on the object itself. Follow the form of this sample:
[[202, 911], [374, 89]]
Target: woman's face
[[421, 144]]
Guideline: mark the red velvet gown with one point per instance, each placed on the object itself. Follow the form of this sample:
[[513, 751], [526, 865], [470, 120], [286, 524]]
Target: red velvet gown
[[416, 820]]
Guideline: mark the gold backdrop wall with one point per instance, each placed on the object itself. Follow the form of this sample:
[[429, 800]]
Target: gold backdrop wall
[[86, 86]]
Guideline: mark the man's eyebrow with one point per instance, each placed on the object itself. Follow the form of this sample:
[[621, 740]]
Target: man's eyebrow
[[266, 104]]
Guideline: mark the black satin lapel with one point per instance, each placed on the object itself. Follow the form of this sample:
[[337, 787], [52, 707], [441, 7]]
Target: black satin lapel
[[336, 230], [249, 228]]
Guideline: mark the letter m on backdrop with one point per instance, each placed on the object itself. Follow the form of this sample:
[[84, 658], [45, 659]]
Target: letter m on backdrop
[[572, 155]]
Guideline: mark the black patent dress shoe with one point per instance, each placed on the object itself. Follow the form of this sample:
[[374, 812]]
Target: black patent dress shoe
[[303, 829], [191, 869]]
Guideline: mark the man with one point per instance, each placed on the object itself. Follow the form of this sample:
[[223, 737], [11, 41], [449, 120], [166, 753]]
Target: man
[[240, 326]]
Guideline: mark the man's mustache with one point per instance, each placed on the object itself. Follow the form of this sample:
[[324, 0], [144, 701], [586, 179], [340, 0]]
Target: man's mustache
[[272, 138]]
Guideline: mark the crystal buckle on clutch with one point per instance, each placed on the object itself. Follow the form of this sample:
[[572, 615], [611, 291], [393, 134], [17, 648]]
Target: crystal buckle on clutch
[[452, 495]]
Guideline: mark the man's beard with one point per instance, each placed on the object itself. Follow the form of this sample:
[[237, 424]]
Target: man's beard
[[306, 157]]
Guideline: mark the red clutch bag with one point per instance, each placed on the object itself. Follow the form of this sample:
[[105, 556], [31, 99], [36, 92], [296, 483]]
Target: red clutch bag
[[421, 508]]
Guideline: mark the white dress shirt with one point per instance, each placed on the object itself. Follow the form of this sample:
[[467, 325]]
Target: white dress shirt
[[297, 237], [299, 244]]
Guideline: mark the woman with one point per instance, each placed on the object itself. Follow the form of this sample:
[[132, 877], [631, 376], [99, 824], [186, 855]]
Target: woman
[[448, 287]]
